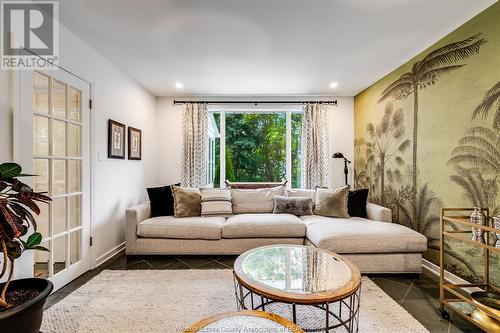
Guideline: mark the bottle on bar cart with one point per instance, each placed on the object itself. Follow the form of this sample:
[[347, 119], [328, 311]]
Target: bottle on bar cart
[[477, 218]]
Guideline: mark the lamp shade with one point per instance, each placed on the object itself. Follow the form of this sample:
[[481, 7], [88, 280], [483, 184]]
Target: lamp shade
[[338, 155]]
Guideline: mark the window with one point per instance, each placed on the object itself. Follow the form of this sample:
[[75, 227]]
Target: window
[[213, 140], [296, 149], [257, 147]]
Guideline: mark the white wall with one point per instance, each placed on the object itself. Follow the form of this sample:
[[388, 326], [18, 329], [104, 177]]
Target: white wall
[[117, 184], [169, 129], [342, 140]]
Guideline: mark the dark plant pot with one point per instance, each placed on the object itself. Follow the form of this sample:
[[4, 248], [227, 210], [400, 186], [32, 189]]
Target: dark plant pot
[[26, 318]]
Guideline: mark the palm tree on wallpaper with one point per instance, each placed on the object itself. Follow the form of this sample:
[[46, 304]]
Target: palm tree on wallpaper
[[478, 155], [361, 176], [479, 147], [425, 73], [385, 144], [398, 201], [491, 98], [479, 191]]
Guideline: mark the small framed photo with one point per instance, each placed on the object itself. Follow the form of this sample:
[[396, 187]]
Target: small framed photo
[[116, 139], [134, 144]]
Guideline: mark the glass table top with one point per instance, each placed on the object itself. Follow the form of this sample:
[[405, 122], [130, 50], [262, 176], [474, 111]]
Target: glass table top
[[296, 269]]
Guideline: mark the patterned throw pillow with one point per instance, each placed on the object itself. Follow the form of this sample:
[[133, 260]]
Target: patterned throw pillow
[[216, 202], [332, 202], [187, 201], [299, 206]]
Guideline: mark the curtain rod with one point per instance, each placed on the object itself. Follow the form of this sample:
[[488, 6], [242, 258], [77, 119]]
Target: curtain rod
[[334, 102]]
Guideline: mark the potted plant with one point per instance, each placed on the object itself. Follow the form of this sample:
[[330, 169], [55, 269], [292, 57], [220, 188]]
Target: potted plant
[[21, 301]]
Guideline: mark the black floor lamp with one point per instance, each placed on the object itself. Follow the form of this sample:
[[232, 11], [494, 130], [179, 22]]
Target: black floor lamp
[[346, 171]]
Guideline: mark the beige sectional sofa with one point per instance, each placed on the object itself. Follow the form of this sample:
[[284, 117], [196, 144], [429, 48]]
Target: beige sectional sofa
[[374, 244]]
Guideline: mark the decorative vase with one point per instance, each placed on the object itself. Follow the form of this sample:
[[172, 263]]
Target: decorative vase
[[496, 225], [477, 218]]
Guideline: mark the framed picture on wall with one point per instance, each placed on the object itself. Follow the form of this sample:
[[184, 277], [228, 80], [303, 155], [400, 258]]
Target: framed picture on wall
[[134, 143], [116, 139]]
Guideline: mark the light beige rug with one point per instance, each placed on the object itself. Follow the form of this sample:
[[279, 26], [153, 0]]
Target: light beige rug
[[168, 301]]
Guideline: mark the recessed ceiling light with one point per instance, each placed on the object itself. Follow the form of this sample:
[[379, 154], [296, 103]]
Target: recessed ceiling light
[[179, 85], [334, 84]]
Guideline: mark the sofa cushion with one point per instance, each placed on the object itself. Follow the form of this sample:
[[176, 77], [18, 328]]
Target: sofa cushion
[[184, 228], [359, 235], [255, 201], [263, 225]]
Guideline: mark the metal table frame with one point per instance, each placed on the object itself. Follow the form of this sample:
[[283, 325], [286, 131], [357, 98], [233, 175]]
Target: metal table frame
[[333, 319]]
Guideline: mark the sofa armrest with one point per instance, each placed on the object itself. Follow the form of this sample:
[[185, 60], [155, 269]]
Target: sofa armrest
[[133, 217], [378, 213]]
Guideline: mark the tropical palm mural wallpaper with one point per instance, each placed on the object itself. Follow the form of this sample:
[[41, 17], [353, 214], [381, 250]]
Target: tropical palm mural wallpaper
[[428, 136]]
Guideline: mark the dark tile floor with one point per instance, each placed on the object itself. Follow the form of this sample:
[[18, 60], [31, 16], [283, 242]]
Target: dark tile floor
[[418, 295]]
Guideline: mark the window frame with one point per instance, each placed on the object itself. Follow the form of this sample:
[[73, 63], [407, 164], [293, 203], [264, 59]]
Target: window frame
[[288, 111]]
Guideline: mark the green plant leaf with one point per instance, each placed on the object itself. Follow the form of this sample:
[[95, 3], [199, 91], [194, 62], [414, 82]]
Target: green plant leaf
[[9, 170], [39, 248], [34, 240]]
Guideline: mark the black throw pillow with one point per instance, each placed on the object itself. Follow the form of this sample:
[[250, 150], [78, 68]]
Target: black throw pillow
[[356, 203], [162, 200]]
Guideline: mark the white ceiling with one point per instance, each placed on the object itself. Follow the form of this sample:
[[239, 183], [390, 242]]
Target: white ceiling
[[262, 47]]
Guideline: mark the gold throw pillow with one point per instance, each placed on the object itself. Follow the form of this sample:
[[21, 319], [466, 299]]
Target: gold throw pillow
[[187, 201], [332, 202]]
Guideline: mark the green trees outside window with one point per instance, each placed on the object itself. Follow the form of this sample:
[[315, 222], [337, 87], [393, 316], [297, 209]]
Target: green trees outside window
[[256, 147]]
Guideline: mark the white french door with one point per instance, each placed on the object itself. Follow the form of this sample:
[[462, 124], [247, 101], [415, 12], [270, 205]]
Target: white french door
[[55, 136]]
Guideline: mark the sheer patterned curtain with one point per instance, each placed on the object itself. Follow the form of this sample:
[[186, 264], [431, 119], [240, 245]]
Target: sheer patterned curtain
[[314, 146], [194, 145]]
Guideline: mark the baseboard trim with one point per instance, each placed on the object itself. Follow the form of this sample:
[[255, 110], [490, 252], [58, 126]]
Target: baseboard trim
[[433, 268], [449, 277], [108, 255]]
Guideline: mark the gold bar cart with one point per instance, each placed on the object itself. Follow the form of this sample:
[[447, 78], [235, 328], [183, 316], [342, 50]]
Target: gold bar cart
[[456, 297]]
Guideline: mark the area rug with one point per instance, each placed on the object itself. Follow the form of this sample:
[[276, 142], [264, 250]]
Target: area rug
[[168, 301]]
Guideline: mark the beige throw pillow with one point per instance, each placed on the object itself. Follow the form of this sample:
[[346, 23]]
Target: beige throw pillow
[[255, 201], [298, 192], [187, 201], [216, 202], [332, 202]]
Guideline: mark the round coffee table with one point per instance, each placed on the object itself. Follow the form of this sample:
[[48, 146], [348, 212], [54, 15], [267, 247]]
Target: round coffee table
[[245, 321], [317, 289]]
